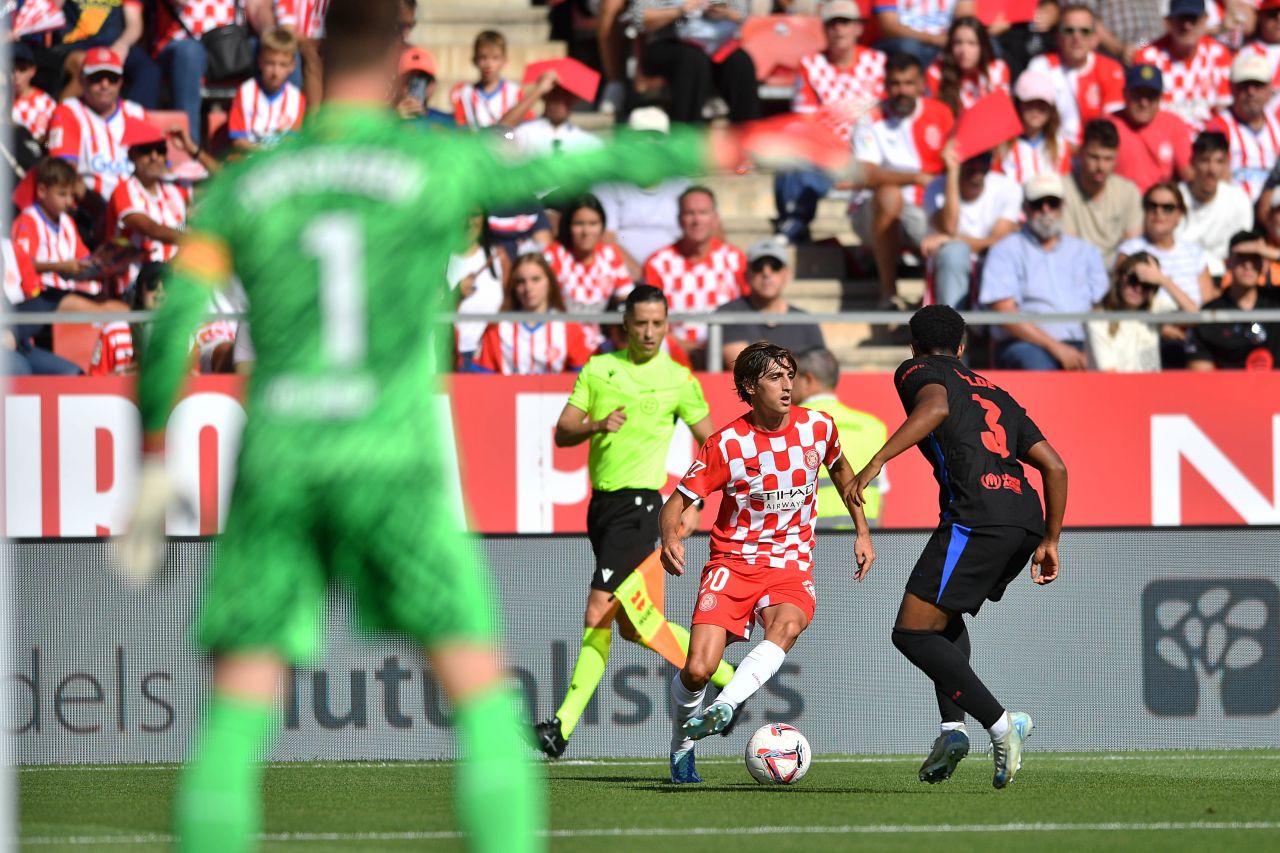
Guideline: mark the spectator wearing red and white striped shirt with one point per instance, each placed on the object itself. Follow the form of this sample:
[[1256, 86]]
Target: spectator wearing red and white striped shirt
[[32, 107], [145, 209], [268, 107], [1266, 37], [698, 273], [1087, 84], [113, 353], [844, 73], [523, 349], [899, 148], [47, 234], [1252, 130], [178, 49], [485, 102], [1196, 67], [89, 131], [967, 69], [1040, 148]]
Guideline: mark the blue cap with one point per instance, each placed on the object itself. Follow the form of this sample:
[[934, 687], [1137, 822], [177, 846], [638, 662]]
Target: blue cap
[[1178, 8], [22, 53], [1143, 77]]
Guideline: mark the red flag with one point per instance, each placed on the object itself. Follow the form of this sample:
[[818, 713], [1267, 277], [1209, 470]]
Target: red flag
[[37, 16], [571, 75], [1014, 11], [986, 124]]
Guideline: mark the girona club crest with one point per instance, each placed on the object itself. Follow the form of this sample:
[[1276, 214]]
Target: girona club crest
[[707, 602], [811, 459]]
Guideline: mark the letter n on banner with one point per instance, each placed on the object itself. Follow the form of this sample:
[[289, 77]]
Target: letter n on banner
[[1177, 437]]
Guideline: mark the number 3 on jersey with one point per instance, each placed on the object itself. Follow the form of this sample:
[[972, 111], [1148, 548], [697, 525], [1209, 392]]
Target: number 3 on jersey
[[994, 437], [336, 241]]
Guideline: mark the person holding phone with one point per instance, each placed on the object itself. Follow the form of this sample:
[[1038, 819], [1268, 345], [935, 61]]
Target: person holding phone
[[415, 87]]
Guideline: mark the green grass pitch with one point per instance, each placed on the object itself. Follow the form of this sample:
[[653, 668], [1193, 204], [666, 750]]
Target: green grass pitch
[[1165, 801]]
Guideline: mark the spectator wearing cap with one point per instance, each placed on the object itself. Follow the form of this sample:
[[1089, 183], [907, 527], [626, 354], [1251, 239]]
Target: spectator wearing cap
[[1041, 146], [145, 209], [176, 46], [1196, 68], [1241, 344], [558, 89], [917, 27], [1040, 269], [88, 131], [1252, 130], [1155, 144], [1101, 207], [643, 220], [32, 106], [1086, 84], [416, 85], [898, 147], [268, 107], [1215, 206], [768, 274], [1266, 35], [693, 43], [970, 209], [843, 73]]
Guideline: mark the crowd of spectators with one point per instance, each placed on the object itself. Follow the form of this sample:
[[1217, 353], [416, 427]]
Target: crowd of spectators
[[1143, 172]]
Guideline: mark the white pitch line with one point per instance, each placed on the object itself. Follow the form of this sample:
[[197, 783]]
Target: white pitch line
[[650, 832]]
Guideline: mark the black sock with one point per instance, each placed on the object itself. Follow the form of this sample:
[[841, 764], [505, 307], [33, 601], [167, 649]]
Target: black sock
[[950, 672], [956, 634]]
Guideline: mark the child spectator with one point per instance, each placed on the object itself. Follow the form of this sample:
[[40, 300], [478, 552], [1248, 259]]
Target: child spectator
[[532, 348], [967, 68], [145, 209], [415, 86], [32, 107], [1040, 148], [268, 107], [46, 233], [485, 102]]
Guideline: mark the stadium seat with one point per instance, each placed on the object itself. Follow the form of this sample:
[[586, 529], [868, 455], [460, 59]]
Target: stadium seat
[[75, 342], [776, 44]]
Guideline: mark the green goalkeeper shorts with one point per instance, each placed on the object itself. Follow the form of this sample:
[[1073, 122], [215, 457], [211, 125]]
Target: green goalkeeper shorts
[[288, 538]]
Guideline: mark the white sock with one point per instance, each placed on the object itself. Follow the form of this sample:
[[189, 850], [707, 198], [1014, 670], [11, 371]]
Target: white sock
[[756, 668], [685, 705], [1000, 728], [952, 727]]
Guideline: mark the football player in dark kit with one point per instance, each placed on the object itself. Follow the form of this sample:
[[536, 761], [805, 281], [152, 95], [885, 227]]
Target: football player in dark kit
[[976, 437]]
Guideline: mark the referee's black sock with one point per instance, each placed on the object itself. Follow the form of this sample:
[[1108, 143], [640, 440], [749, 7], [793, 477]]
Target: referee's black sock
[[948, 668], [956, 634]]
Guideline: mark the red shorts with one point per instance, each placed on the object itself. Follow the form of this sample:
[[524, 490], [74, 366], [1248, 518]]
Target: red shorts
[[731, 598]]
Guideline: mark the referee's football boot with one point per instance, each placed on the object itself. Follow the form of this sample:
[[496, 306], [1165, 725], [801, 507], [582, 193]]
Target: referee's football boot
[[712, 721], [1007, 751], [684, 770], [947, 751], [550, 739]]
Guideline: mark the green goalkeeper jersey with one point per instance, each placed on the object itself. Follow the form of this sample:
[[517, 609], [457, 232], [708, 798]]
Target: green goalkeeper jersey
[[341, 236]]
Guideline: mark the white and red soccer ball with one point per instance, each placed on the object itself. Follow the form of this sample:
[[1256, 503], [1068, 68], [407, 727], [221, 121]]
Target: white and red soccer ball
[[777, 754]]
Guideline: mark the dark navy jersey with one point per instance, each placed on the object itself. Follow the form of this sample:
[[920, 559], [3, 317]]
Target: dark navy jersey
[[976, 451]]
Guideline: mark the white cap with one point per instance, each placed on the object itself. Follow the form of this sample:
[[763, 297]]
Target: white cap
[[770, 247], [1251, 67], [1035, 86], [847, 9], [649, 118], [1043, 185]]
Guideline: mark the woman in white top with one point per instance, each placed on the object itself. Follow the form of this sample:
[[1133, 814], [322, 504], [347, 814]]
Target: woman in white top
[[476, 275], [1131, 346], [1163, 207]]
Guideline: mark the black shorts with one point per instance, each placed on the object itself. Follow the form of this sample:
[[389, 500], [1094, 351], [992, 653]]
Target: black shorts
[[623, 529], [962, 567]]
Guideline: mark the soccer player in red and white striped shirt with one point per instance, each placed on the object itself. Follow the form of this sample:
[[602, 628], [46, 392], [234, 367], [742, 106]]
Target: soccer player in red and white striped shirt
[[765, 465], [485, 102], [88, 131], [47, 234], [1086, 83], [1195, 66], [268, 107], [145, 209], [32, 107], [1252, 130], [698, 273], [533, 348]]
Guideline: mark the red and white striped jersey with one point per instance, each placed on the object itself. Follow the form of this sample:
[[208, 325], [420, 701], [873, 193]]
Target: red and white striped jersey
[[200, 16], [929, 16], [113, 353], [33, 111], [1026, 159], [473, 107], [588, 286], [1253, 152], [698, 286], [523, 349], [973, 86], [20, 279], [769, 483], [911, 144], [304, 17], [94, 143], [165, 204], [262, 118], [1196, 88], [46, 241], [1085, 93], [820, 83]]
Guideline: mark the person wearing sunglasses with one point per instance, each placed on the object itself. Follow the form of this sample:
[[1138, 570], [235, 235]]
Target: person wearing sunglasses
[[1040, 269], [1196, 67], [1155, 144], [1241, 344], [1163, 209], [768, 274], [1128, 346], [1087, 84]]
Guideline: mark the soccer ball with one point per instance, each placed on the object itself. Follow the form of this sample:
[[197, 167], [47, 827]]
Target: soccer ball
[[778, 754]]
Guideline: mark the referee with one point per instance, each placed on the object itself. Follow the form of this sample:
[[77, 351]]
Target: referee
[[626, 404]]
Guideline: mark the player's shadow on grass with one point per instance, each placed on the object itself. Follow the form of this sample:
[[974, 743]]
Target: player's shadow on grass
[[620, 780], [779, 790]]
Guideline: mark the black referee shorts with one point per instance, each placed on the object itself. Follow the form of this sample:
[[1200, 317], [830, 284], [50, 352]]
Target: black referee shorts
[[962, 567], [623, 529]]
